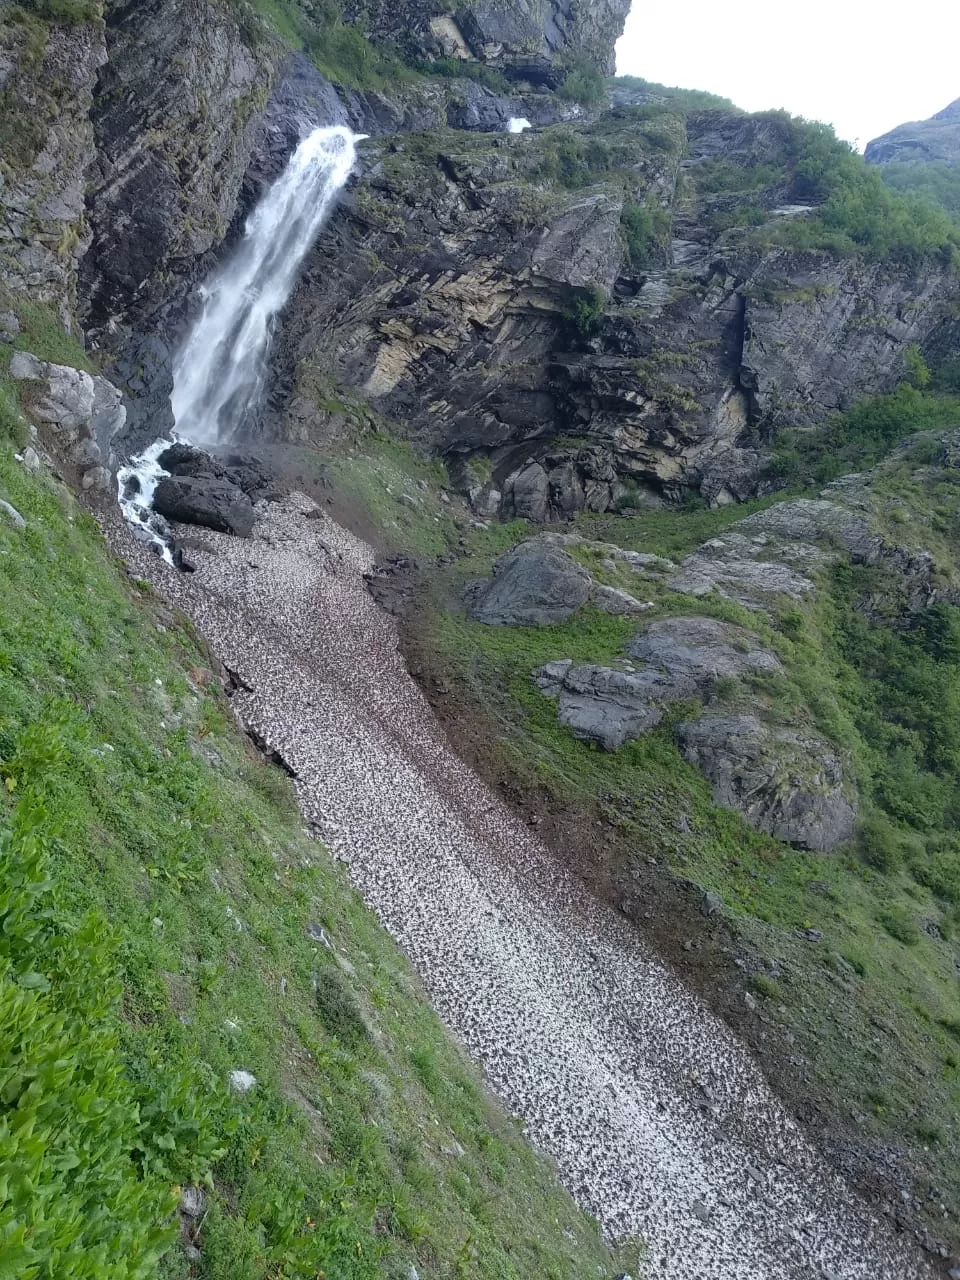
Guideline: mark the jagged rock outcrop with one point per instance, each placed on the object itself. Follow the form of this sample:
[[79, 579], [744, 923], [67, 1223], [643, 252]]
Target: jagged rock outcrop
[[784, 781], [47, 77], [568, 305], [928, 141], [784, 776], [82, 414], [532, 40], [481, 329]]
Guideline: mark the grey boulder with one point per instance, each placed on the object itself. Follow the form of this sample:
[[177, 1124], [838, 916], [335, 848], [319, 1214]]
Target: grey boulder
[[785, 782], [609, 705], [703, 649], [214, 504], [534, 585], [679, 658]]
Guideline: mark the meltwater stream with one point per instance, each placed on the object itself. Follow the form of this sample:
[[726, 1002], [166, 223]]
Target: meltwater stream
[[218, 374]]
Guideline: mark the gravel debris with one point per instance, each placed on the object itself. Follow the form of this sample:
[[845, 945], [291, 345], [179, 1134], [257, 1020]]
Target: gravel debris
[[582, 1031]]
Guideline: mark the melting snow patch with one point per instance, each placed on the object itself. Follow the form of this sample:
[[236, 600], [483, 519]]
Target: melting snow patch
[[517, 124]]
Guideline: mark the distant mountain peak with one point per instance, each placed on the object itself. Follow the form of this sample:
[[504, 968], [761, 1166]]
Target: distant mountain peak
[[933, 141]]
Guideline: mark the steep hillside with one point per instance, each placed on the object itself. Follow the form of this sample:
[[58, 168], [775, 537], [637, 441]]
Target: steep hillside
[[211, 1053], [651, 407]]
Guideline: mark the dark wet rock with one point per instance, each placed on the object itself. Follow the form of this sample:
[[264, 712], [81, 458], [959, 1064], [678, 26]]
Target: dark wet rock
[[245, 471], [207, 501], [784, 781], [174, 122], [534, 585]]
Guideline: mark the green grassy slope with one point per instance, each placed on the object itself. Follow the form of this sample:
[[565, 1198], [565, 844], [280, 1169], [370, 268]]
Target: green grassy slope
[[155, 902]]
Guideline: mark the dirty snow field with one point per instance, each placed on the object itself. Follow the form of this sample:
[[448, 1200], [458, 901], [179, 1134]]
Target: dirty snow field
[[658, 1120]]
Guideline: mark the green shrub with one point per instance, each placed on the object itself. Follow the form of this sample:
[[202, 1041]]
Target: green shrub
[[79, 1200], [857, 211], [587, 311], [862, 436], [766, 986], [68, 10], [879, 843], [938, 184], [900, 926], [679, 99], [338, 1009], [643, 228], [583, 83]]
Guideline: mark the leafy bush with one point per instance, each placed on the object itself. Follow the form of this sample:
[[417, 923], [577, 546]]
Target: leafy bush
[[938, 184], [587, 311], [879, 843], [583, 83], [863, 435], [68, 10], [463, 69], [899, 925], [643, 227], [857, 212], [339, 49]]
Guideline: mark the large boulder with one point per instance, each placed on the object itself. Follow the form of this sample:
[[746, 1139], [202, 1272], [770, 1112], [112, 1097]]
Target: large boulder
[[205, 500], [680, 658], [82, 414], [784, 781], [609, 705], [246, 471], [534, 585], [703, 649]]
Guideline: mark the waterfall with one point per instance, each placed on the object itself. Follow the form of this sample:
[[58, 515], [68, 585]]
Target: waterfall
[[219, 372]]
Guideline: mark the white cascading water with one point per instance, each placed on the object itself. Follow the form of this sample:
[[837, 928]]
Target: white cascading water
[[218, 375], [518, 124]]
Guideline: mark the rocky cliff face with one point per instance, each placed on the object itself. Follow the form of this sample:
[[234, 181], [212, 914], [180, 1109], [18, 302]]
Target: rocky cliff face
[[503, 321], [929, 141], [534, 40], [575, 317], [47, 79]]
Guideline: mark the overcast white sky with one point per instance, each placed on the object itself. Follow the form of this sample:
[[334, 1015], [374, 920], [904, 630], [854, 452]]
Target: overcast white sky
[[862, 65]]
